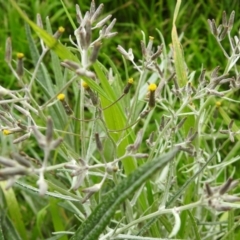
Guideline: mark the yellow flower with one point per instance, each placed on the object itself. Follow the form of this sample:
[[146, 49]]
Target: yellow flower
[[6, 132], [129, 84], [130, 80], [218, 104], [61, 29], [20, 55], [61, 96], [85, 85], [152, 87]]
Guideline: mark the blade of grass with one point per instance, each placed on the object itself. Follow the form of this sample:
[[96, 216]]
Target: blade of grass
[[7, 229], [231, 224], [178, 52], [56, 66], [41, 216], [57, 219], [194, 225], [14, 210], [68, 15], [228, 235]]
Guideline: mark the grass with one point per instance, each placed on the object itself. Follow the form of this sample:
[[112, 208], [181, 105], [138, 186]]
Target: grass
[[112, 159]]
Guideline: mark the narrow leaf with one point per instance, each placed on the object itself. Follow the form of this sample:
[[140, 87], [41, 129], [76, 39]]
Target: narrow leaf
[[194, 225], [14, 210], [178, 52]]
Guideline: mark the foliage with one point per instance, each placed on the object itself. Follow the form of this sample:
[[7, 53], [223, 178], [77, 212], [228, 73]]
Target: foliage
[[94, 147]]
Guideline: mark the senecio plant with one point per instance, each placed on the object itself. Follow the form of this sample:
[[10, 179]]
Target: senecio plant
[[147, 157]]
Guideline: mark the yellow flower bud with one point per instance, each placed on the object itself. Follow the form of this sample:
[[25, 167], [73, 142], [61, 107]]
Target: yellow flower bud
[[6, 132], [20, 55], [61, 96], [218, 104], [85, 85], [130, 80], [129, 84], [152, 87], [61, 29]]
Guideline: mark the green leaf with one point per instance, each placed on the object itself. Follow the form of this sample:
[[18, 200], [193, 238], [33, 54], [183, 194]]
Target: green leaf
[[57, 219], [178, 57], [7, 229], [41, 217], [68, 15], [101, 216], [115, 120], [14, 210], [194, 225]]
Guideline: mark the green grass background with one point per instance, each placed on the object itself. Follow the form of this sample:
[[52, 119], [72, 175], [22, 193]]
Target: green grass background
[[132, 17]]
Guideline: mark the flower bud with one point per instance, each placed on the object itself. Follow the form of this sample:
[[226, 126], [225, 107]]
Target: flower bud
[[129, 85], [152, 88]]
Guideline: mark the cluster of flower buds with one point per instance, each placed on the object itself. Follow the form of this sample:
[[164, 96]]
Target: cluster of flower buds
[[216, 80], [204, 87], [79, 172], [217, 197], [221, 31], [149, 57], [88, 48], [47, 143]]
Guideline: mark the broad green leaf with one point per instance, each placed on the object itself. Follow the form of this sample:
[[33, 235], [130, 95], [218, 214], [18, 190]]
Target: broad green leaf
[[115, 119], [101, 216]]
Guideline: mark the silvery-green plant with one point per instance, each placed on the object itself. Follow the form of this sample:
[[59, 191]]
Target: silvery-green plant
[[115, 144]]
